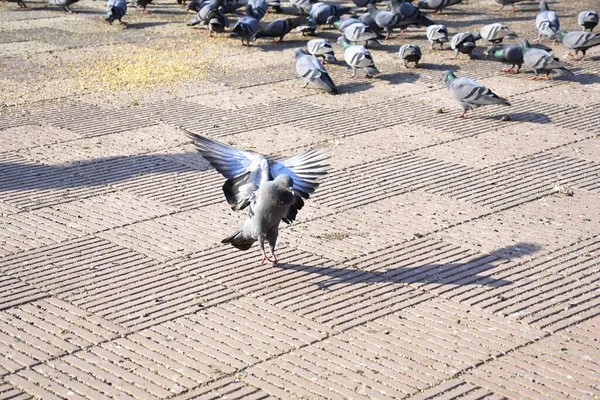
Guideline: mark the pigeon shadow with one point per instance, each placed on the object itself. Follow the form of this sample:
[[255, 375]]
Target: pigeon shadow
[[143, 25], [267, 45], [470, 272], [354, 87], [486, 21], [439, 67], [582, 79], [17, 176], [399, 77], [531, 117]]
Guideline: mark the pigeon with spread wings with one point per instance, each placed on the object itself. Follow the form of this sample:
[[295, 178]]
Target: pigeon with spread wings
[[273, 190]]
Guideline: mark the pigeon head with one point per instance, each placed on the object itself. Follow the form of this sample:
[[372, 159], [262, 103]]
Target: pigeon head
[[560, 35], [448, 77], [332, 19], [544, 6], [298, 52], [423, 4], [345, 43], [284, 181], [371, 8], [491, 51], [525, 44]]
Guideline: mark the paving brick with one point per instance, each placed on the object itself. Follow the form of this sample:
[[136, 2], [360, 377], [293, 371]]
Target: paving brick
[[456, 389], [8, 392], [230, 388], [27, 136], [14, 292]]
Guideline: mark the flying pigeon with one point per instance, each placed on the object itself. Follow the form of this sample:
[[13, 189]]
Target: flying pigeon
[[578, 41], [470, 94], [463, 43], [547, 22], [507, 3], [115, 10], [541, 61], [274, 191], [321, 48], [437, 5], [321, 11], [511, 55], [437, 34], [358, 57], [588, 20], [279, 28], [410, 53], [65, 4], [495, 33], [312, 71], [384, 19], [246, 27]]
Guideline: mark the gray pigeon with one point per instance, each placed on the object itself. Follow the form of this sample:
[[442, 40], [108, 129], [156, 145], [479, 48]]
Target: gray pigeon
[[206, 13], [274, 191], [321, 48], [495, 33], [410, 15], [115, 10], [65, 4], [588, 20], [437, 34], [578, 41], [196, 5], [358, 57], [384, 19], [320, 12], [312, 71], [512, 55], [359, 33], [246, 27], [470, 94], [507, 3], [20, 3], [437, 5], [463, 43], [142, 4], [218, 22], [367, 19], [258, 7], [541, 61], [279, 28], [547, 22], [410, 53], [342, 23]]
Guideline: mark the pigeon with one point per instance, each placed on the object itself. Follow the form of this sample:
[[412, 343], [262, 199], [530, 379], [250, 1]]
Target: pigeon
[[470, 94], [312, 71], [363, 3], [321, 48], [578, 41], [302, 6], [507, 3], [410, 15], [410, 53], [437, 5], [463, 43], [358, 57], [512, 55], [437, 34], [258, 8], [541, 61], [65, 4], [547, 22], [367, 19], [20, 3], [246, 27], [142, 4], [588, 20], [359, 33], [196, 5], [342, 23], [308, 27], [274, 191], [279, 28], [275, 4], [384, 19], [218, 22], [115, 10], [321, 11], [495, 33], [206, 13]]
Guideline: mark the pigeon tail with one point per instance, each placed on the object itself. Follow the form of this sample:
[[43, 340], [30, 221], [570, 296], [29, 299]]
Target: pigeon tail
[[238, 240], [371, 71], [423, 20]]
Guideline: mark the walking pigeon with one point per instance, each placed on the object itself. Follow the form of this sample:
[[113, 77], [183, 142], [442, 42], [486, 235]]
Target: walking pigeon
[[142, 4], [321, 11], [279, 28], [115, 10], [342, 23], [312, 71], [507, 3], [274, 191], [410, 53], [578, 41], [437, 34], [384, 19], [437, 5], [410, 15], [547, 22], [321, 48], [470, 94], [246, 27], [541, 61], [511, 55], [65, 4], [358, 57]]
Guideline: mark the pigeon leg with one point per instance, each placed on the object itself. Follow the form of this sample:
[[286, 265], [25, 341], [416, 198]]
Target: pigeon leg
[[402, 32], [463, 115], [387, 34], [500, 9], [277, 40], [509, 70], [437, 12], [405, 64]]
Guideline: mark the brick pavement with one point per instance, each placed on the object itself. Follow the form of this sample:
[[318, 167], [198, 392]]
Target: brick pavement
[[440, 258]]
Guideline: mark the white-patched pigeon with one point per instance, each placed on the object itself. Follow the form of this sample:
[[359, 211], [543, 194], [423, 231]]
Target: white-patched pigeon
[[321, 48]]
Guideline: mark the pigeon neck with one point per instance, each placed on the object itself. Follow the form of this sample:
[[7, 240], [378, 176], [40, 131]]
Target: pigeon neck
[[345, 43]]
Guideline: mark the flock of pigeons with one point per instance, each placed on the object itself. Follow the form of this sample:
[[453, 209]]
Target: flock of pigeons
[[274, 191]]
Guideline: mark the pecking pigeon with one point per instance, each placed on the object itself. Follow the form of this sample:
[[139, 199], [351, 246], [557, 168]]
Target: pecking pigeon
[[495, 33], [279, 28], [115, 10], [511, 55], [588, 20], [578, 41], [312, 71], [463, 43], [437, 34], [65, 4], [321, 11], [507, 3], [358, 57], [386, 20], [410, 53], [541, 61], [321, 48], [246, 27]]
